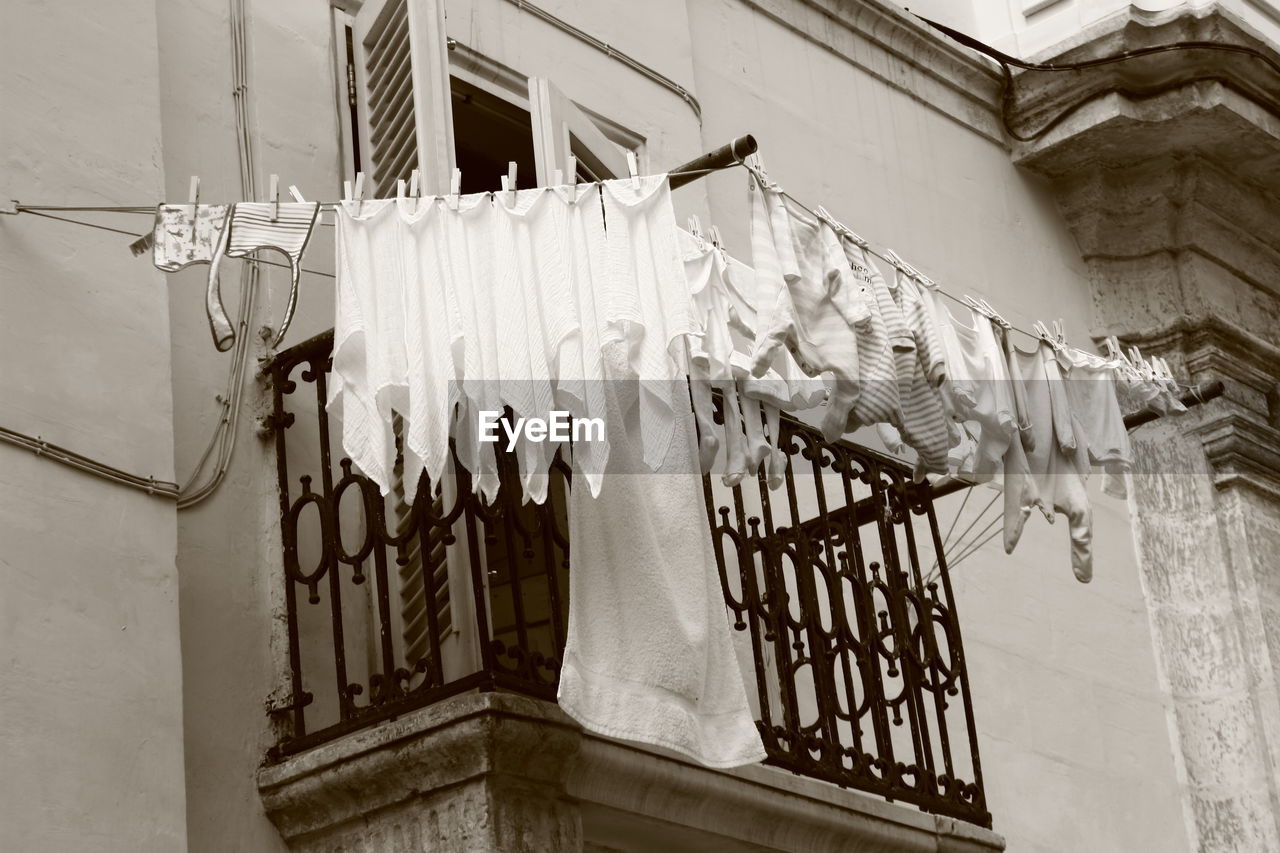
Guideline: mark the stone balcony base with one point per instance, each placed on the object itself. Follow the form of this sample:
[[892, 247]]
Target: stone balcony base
[[499, 772]]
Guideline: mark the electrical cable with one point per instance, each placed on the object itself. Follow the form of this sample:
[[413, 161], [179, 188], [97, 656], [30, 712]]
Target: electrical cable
[[224, 434], [37, 445], [1005, 61]]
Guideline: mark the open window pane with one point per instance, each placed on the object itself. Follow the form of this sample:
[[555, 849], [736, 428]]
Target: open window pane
[[561, 128]]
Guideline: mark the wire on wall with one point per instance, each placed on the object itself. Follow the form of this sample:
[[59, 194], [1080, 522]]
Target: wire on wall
[[223, 441], [1006, 62]]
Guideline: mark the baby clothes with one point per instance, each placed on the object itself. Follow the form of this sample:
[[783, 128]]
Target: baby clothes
[[646, 301], [819, 305], [470, 238], [1058, 465], [368, 379], [920, 371], [984, 389], [580, 388], [784, 384], [716, 364], [282, 226], [1020, 407], [432, 331], [186, 234], [1091, 390], [535, 315], [885, 333]]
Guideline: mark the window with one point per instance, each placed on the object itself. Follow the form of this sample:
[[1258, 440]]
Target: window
[[416, 100]]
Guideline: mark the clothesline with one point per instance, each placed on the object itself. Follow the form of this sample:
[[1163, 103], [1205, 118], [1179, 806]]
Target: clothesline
[[41, 210]]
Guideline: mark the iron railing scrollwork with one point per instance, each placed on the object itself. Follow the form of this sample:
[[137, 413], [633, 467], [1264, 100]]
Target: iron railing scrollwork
[[847, 619]]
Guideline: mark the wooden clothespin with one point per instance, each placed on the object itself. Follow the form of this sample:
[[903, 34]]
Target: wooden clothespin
[[633, 167], [359, 192], [415, 184], [274, 195], [400, 189], [510, 183], [994, 315], [297, 194], [193, 195], [695, 226], [1060, 332], [573, 170], [714, 231], [855, 239], [901, 265], [455, 188]]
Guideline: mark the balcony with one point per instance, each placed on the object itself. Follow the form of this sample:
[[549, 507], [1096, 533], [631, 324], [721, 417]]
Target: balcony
[[835, 586]]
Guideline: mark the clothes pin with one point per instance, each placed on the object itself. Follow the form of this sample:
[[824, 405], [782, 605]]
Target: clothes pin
[[714, 232], [274, 194], [991, 312], [399, 189], [695, 227], [633, 167], [455, 188], [359, 192], [346, 191], [573, 170], [415, 186], [511, 177], [193, 196]]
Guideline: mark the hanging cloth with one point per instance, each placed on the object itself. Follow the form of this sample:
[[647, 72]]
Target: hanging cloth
[[282, 226], [1059, 465], [648, 655], [187, 234], [645, 301]]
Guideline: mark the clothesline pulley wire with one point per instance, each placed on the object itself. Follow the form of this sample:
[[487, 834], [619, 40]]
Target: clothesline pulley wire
[[222, 440], [1199, 394], [725, 157]]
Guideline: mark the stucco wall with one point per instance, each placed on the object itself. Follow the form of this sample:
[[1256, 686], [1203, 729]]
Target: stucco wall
[[91, 683]]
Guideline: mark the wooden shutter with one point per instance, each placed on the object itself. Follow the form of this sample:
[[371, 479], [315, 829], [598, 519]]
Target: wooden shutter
[[402, 74], [561, 128]]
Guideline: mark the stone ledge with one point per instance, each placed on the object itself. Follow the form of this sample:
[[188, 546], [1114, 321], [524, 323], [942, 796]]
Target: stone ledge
[[472, 763]]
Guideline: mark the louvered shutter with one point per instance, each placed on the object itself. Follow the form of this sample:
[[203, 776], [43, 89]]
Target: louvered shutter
[[402, 74]]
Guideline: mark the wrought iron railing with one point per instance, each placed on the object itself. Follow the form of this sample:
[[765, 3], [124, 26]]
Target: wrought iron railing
[[845, 616]]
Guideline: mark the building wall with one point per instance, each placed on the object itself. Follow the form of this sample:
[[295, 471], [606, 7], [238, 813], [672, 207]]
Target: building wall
[[91, 729], [1071, 721]]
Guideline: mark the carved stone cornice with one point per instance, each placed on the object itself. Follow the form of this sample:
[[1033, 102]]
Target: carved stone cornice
[[1242, 451], [1224, 104]]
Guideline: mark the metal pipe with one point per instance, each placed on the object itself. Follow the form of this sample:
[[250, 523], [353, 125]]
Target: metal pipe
[[723, 157]]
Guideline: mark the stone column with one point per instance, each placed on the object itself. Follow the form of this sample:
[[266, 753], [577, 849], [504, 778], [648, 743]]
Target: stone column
[[1167, 169]]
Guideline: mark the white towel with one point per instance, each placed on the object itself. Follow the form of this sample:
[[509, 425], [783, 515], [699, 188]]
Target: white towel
[[649, 655]]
